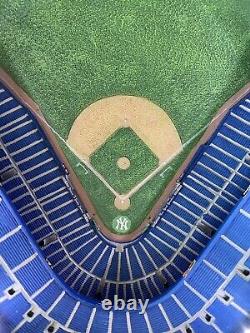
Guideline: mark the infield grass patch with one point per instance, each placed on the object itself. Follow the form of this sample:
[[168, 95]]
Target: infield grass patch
[[124, 142]]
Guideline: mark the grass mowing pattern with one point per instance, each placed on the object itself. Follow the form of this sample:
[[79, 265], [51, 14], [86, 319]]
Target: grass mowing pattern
[[124, 142], [187, 57]]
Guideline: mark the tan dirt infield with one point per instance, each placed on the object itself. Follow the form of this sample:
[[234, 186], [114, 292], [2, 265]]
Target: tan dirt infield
[[101, 119]]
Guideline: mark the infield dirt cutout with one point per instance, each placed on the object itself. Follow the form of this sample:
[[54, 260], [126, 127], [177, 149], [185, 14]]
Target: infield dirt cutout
[[100, 120]]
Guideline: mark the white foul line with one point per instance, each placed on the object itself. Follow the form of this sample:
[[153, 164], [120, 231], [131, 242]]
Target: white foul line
[[145, 180]]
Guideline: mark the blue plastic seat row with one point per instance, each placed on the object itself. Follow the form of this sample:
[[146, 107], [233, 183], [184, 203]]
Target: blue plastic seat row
[[37, 184], [213, 297]]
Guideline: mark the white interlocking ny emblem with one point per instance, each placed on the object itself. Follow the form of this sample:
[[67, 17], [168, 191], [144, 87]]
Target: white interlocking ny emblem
[[121, 224]]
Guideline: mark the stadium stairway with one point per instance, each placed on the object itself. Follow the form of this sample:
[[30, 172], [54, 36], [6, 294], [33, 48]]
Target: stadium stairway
[[212, 298], [37, 184]]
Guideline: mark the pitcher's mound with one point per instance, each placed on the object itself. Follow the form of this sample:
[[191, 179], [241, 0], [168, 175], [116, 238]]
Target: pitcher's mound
[[123, 163]]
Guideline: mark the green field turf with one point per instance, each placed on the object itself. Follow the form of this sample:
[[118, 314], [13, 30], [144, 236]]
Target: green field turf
[[188, 57], [124, 142]]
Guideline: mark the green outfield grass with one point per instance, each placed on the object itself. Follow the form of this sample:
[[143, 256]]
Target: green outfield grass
[[188, 57]]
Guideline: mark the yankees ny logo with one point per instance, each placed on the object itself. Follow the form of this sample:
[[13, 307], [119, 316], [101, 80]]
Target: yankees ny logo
[[121, 224]]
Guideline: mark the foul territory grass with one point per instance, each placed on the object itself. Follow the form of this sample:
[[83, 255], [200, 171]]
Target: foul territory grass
[[124, 143], [187, 57]]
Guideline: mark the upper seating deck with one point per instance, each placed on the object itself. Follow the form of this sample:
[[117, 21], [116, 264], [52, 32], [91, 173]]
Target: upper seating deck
[[37, 184]]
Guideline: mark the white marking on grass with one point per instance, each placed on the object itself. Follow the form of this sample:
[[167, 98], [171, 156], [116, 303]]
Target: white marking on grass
[[84, 168], [164, 171], [137, 187]]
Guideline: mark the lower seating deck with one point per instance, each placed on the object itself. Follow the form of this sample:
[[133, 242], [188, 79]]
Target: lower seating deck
[[37, 185], [213, 297]]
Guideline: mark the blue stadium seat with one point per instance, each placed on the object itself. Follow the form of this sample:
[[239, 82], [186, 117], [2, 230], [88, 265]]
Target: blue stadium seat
[[37, 184], [217, 284], [198, 245]]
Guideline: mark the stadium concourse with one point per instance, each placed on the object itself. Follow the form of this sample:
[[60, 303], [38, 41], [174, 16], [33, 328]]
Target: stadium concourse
[[56, 267]]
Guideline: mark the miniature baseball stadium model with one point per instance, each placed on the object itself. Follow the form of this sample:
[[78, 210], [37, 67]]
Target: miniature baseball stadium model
[[124, 167]]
